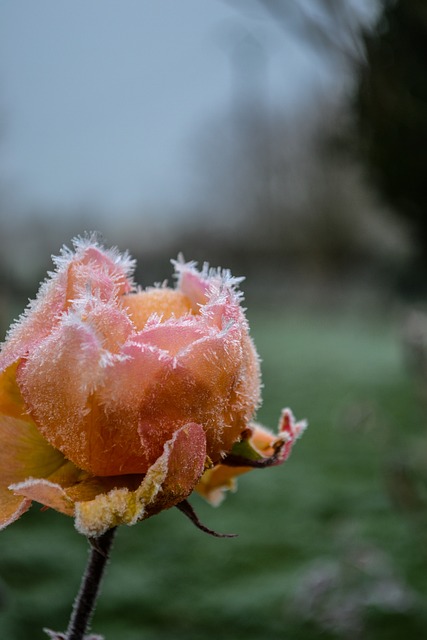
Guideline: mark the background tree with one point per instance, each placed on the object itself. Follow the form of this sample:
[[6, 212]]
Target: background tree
[[391, 105]]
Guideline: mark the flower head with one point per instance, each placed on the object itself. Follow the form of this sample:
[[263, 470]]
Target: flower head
[[116, 402]]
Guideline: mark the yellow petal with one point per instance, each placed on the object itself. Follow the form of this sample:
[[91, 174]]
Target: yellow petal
[[11, 507], [23, 451], [11, 401], [23, 454], [216, 481]]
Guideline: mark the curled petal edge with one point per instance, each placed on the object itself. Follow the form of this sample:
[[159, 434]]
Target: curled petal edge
[[258, 448], [168, 481], [22, 505]]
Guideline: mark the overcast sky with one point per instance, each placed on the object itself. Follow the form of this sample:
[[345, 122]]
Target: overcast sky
[[100, 98]]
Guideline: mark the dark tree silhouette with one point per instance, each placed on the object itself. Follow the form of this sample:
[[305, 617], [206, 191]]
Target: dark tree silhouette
[[391, 105]]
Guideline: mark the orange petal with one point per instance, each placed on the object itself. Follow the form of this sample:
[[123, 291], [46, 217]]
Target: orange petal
[[226, 374], [216, 481], [168, 481], [163, 302], [128, 385]]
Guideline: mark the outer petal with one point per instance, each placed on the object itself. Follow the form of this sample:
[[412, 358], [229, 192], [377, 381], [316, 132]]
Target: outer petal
[[104, 272], [216, 481], [64, 381], [225, 368], [168, 481], [192, 284], [62, 490], [258, 448], [210, 290], [23, 454], [57, 381], [11, 507], [129, 385], [100, 503], [46, 492], [153, 393], [95, 270]]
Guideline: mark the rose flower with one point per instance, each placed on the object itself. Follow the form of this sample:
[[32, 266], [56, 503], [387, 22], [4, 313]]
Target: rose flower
[[116, 402]]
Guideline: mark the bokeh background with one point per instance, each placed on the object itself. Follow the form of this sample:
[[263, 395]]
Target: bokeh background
[[286, 141]]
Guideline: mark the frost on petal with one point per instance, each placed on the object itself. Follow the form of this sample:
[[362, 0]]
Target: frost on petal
[[162, 302], [289, 432], [225, 369], [90, 267], [259, 448], [130, 385], [62, 489], [173, 337], [57, 381], [108, 322], [168, 481], [105, 272], [67, 383], [186, 456], [47, 493], [192, 284], [207, 287], [37, 321]]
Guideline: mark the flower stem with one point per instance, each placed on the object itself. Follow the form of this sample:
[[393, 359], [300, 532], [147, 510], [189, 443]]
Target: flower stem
[[85, 602]]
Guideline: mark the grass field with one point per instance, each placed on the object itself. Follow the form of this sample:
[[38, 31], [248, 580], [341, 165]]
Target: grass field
[[323, 552]]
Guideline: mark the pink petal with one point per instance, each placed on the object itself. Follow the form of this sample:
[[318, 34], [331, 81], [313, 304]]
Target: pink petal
[[57, 381], [104, 272], [47, 493], [130, 384], [289, 431], [192, 285], [174, 336]]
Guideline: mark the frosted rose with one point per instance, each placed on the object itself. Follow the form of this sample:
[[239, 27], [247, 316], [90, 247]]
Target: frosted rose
[[116, 403]]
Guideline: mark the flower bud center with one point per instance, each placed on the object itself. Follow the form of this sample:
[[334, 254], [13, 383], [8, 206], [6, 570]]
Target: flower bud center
[[164, 302]]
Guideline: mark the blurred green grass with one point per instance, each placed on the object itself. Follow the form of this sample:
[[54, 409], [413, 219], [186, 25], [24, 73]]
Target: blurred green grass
[[321, 552]]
